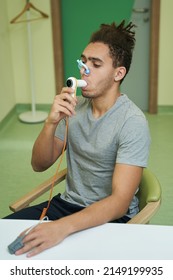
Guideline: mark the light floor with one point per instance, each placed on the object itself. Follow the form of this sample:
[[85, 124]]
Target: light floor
[[17, 176]]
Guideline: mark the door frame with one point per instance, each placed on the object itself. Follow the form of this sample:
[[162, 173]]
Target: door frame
[[154, 56], [55, 6], [154, 50]]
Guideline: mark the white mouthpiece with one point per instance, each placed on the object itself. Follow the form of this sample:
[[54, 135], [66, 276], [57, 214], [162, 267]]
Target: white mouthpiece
[[73, 83], [81, 83]]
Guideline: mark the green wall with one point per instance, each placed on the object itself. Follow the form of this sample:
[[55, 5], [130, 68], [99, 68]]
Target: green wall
[[80, 19]]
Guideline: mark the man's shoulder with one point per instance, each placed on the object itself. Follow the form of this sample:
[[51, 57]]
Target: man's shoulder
[[130, 108]]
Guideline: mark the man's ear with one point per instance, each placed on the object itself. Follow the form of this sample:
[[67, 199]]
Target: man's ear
[[120, 72]]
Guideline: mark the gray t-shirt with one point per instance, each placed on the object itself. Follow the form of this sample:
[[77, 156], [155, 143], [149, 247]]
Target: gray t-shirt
[[94, 146]]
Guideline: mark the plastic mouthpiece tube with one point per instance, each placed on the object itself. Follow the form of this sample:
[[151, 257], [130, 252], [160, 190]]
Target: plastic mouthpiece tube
[[73, 83]]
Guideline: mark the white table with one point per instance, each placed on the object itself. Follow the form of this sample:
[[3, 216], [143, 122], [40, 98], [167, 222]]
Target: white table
[[106, 242]]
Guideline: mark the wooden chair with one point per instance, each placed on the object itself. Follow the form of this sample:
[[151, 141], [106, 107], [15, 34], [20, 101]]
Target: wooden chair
[[149, 195]]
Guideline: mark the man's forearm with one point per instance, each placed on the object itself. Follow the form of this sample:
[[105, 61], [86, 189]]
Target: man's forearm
[[43, 150], [101, 212]]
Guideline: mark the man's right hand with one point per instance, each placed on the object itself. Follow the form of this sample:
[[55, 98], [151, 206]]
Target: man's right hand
[[63, 106]]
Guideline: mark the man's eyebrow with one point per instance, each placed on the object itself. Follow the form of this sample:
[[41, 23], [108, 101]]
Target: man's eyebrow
[[91, 58]]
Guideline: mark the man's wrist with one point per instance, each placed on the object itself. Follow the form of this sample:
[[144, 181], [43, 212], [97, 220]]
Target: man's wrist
[[48, 121]]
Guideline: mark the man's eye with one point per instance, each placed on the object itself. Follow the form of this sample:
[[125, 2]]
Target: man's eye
[[96, 65]]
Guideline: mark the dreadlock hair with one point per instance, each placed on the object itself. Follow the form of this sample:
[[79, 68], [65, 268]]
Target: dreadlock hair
[[120, 40]]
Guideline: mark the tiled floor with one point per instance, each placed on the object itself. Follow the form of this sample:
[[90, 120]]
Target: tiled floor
[[17, 177]]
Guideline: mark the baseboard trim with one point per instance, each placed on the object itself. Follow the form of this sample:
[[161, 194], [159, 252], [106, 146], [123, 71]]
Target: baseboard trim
[[20, 108], [7, 118], [165, 109]]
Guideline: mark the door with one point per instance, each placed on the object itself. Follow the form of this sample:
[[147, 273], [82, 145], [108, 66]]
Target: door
[[136, 83]]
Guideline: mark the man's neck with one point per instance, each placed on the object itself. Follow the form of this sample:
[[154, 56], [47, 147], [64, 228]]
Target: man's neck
[[102, 104]]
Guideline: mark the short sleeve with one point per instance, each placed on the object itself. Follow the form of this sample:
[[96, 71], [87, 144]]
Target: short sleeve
[[134, 142]]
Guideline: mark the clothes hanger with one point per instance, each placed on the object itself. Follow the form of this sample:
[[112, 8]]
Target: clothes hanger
[[27, 7]]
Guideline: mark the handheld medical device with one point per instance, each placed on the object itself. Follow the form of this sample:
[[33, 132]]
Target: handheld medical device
[[74, 83]]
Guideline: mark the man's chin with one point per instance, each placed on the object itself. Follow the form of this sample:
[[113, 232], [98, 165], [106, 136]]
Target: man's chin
[[84, 94]]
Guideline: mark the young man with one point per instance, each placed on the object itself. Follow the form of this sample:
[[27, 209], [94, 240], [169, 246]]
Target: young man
[[107, 145]]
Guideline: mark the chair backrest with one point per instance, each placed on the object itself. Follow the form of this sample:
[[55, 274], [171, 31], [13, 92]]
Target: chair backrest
[[149, 189]]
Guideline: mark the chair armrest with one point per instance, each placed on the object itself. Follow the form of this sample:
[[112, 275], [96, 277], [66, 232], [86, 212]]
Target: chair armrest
[[38, 191], [146, 213]]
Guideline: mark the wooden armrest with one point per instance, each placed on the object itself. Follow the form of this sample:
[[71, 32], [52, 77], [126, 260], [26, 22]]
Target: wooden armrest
[[38, 191], [146, 213]]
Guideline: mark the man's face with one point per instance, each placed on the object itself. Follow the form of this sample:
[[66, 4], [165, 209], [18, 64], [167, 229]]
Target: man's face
[[101, 78]]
